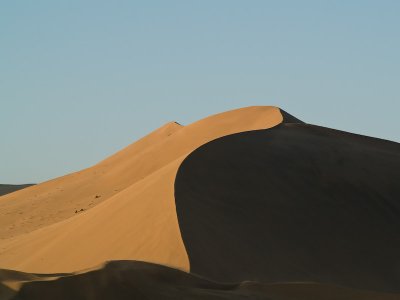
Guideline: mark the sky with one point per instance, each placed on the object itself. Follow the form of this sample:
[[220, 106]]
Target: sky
[[79, 80]]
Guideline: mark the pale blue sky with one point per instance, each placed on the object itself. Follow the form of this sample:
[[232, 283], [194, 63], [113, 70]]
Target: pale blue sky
[[79, 80]]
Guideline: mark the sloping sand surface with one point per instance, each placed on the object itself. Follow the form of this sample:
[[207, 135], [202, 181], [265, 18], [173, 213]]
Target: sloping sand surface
[[122, 280], [60, 198], [296, 202], [121, 208]]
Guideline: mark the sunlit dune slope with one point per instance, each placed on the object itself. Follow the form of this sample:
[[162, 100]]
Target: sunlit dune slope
[[59, 199]]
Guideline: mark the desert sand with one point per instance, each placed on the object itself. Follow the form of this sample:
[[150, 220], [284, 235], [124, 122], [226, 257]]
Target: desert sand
[[253, 196]]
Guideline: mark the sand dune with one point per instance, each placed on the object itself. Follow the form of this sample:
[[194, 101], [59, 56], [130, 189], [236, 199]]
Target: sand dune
[[296, 202], [249, 194]]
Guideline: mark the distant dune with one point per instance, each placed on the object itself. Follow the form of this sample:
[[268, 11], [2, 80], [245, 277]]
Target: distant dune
[[9, 188], [253, 194]]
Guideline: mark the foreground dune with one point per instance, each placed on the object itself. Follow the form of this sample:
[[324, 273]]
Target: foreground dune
[[122, 280], [250, 194]]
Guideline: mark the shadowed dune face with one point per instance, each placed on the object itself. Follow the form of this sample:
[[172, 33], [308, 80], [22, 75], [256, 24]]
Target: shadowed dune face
[[293, 203]]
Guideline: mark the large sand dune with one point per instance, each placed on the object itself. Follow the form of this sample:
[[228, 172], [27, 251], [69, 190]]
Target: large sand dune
[[249, 194], [293, 203]]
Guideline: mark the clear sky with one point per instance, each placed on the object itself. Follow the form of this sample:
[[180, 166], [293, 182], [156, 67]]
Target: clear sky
[[79, 80]]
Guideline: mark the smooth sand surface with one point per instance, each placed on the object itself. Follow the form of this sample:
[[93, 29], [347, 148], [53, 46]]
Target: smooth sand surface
[[121, 208], [296, 202], [122, 280]]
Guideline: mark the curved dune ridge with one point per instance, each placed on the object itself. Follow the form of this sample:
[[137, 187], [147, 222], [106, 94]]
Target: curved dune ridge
[[249, 194]]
